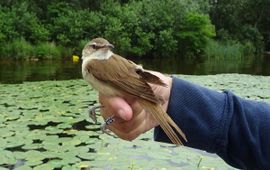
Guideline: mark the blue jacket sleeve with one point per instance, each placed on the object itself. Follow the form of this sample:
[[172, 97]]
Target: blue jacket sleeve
[[236, 129]]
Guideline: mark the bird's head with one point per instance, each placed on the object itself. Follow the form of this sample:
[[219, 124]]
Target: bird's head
[[97, 48]]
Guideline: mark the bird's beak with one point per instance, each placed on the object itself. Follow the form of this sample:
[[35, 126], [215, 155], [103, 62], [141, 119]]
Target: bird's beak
[[110, 46]]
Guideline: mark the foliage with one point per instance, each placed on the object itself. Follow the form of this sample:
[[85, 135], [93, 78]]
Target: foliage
[[243, 20], [229, 49], [137, 28], [21, 49], [224, 50], [195, 32], [17, 21], [149, 27], [17, 49], [47, 50]]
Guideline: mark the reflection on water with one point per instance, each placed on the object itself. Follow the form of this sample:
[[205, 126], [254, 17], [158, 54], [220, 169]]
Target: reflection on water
[[208, 66], [18, 72]]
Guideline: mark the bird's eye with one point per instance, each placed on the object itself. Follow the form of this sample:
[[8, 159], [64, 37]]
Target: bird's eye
[[94, 46]]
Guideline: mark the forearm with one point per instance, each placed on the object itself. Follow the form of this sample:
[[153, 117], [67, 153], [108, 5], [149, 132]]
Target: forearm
[[210, 121]]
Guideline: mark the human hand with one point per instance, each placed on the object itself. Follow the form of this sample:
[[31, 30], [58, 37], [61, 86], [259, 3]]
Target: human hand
[[131, 119]]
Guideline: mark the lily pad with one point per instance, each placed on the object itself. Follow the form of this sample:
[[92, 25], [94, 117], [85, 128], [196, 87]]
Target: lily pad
[[24, 167], [47, 125]]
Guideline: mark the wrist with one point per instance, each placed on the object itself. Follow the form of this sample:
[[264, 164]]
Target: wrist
[[167, 92]]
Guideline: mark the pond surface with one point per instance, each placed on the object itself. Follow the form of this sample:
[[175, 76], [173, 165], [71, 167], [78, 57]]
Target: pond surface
[[65, 69], [45, 125]]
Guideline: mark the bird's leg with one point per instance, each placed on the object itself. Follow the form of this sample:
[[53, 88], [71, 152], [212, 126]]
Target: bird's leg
[[92, 113], [107, 122]]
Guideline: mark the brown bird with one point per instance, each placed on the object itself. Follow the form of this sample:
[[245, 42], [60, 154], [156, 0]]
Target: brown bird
[[113, 75]]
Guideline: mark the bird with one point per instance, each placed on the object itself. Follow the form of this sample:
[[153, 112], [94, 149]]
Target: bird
[[114, 75]]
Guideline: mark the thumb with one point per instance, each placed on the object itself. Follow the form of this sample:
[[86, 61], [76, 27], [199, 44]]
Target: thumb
[[117, 106]]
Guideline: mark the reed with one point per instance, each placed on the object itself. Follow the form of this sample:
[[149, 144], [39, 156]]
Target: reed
[[20, 49], [17, 49], [47, 51], [224, 50]]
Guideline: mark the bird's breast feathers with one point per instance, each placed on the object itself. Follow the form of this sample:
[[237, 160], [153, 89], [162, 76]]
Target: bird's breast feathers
[[98, 85]]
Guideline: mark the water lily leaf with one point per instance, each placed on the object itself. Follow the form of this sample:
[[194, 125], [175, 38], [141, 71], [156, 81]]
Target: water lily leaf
[[71, 131], [51, 146], [2, 168], [6, 133], [33, 162], [56, 163], [37, 126], [32, 146], [24, 167], [2, 143], [68, 167], [53, 130], [82, 165], [35, 155], [16, 141], [64, 125], [7, 157], [70, 159], [12, 117], [87, 156], [72, 142], [43, 166], [19, 155]]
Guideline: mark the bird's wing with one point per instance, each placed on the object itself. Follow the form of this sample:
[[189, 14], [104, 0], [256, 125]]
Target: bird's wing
[[121, 74], [146, 75]]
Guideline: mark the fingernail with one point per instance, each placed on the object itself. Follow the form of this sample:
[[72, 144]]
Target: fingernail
[[122, 114]]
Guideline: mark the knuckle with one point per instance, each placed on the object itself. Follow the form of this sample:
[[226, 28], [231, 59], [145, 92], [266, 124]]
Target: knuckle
[[101, 98], [124, 129], [129, 137]]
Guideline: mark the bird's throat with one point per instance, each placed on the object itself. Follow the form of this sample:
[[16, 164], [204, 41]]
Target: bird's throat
[[101, 54]]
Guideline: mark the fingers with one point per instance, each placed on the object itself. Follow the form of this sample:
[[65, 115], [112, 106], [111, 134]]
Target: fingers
[[117, 106], [128, 126], [129, 117], [129, 130]]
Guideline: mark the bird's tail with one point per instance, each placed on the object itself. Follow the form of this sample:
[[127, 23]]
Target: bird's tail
[[166, 123]]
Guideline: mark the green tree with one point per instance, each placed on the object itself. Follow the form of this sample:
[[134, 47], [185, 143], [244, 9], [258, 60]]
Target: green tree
[[244, 20], [18, 21], [137, 27]]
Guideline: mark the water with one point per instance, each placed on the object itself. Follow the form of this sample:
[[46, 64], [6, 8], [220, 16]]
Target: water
[[18, 72], [45, 125]]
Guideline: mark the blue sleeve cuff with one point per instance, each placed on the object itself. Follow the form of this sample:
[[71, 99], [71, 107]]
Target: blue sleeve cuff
[[234, 128], [198, 111]]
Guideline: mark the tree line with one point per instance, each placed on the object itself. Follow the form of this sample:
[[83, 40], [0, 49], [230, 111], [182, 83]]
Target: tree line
[[136, 27]]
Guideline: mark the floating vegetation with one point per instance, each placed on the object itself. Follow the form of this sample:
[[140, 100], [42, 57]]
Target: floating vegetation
[[44, 125]]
